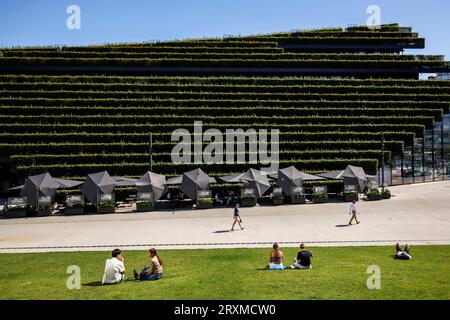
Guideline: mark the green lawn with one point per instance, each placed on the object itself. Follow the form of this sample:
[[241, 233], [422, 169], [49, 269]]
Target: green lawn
[[338, 273]]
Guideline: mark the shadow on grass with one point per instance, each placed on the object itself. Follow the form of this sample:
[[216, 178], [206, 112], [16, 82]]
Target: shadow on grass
[[93, 284]]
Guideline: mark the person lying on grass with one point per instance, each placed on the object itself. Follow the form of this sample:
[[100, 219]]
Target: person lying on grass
[[276, 258], [152, 272], [402, 255], [114, 268], [303, 260]]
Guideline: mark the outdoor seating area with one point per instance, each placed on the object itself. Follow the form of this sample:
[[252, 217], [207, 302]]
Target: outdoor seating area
[[192, 190]]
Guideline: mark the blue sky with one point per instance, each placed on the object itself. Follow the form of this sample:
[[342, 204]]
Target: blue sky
[[43, 22]]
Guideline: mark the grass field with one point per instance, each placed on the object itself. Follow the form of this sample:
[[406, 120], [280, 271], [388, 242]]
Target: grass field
[[338, 273]]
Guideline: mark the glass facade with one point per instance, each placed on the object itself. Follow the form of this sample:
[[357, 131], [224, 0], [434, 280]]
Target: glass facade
[[427, 160]]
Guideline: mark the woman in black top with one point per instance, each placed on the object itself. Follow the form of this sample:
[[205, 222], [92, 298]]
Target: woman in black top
[[236, 217]]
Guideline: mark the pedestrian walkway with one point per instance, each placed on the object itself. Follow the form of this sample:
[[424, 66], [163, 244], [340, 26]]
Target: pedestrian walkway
[[419, 214]]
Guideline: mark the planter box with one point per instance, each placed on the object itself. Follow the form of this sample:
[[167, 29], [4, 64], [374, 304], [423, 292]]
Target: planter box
[[74, 211], [16, 214], [204, 205], [374, 198], [320, 200], [43, 213], [106, 210], [298, 201], [145, 206], [248, 203], [277, 202], [351, 197]]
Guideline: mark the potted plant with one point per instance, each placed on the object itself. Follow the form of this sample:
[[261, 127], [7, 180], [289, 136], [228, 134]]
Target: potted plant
[[74, 205], [298, 198], [106, 207], [385, 193], [44, 208], [277, 199], [204, 203], [15, 211], [350, 196], [320, 197], [248, 201], [373, 194], [145, 205]]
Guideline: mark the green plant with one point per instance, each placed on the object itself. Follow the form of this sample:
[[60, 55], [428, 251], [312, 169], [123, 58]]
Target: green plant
[[74, 206], [385, 193], [278, 196], [205, 201], [144, 204], [106, 205], [45, 206], [374, 192], [320, 195], [15, 208]]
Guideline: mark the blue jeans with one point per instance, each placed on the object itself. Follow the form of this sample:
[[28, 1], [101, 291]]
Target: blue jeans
[[155, 276], [151, 277]]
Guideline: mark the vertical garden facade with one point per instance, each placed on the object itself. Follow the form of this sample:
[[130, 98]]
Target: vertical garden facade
[[334, 94]]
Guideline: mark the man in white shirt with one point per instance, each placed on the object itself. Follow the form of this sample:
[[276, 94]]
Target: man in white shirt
[[114, 268], [353, 210]]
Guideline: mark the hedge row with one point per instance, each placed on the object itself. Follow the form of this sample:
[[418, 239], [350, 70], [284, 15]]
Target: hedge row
[[225, 88], [166, 136], [292, 96], [12, 112], [369, 165], [261, 81], [169, 127], [53, 159], [222, 55], [50, 147], [339, 33], [196, 103], [231, 119], [250, 63], [400, 41]]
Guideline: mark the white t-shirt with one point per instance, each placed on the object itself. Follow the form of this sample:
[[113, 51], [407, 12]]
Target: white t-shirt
[[353, 208], [114, 269]]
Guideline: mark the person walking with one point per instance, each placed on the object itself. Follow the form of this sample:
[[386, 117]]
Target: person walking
[[236, 217], [353, 211]]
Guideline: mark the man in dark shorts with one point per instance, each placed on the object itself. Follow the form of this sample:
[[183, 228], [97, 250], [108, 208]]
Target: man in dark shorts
[[303, 260], [236, 217]]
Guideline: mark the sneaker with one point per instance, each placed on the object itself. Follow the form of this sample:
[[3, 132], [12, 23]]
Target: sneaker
[[357, 222], [242, 228]]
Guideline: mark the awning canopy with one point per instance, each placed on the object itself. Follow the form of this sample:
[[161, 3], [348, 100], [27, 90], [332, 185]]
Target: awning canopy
[[154, 183], [96, 184], [194, 181], [39, 186], [290, 177], [252, 178]]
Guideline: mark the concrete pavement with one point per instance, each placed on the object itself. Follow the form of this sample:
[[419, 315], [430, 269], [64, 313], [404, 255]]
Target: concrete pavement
[[418, 214]]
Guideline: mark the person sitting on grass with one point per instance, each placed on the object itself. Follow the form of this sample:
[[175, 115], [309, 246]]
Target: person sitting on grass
[[114, 268], [303, 260], [402, 254], [154, 272], [276, 258]]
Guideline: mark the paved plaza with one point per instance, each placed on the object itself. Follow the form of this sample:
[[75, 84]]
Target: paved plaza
[[418, 214]]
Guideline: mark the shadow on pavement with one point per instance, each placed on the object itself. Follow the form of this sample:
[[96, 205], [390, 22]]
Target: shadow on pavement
[[342, 225], [221, 231]]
